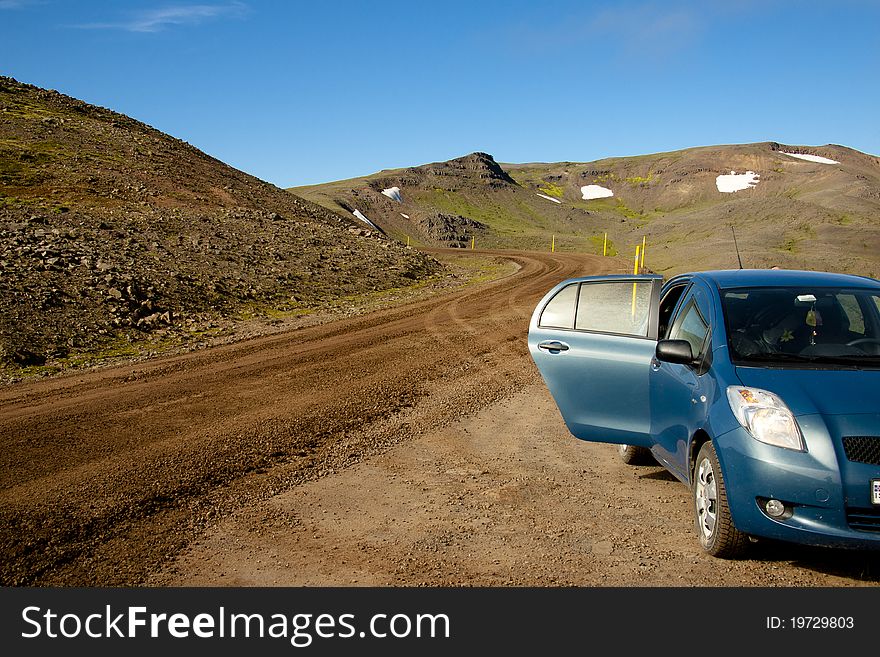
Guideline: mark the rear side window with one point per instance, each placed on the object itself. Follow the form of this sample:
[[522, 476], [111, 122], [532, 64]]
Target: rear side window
[[559, 312], [614, 307], [620, 307]]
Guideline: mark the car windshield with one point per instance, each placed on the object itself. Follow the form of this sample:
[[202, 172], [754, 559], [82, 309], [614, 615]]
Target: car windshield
[[803, 326]]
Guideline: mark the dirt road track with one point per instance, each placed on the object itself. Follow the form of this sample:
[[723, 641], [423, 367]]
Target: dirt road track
[[105, 475], [506, 497], [410, 446]]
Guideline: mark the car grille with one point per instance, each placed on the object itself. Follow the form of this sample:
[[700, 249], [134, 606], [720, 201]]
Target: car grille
[[866, 520], [862, 449]]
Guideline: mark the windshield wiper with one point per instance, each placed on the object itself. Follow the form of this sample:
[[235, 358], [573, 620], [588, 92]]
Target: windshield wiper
[[851, 361], [777, 356], [850, 358]]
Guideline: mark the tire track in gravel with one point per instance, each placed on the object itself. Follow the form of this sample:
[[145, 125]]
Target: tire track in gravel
[[106, 475]]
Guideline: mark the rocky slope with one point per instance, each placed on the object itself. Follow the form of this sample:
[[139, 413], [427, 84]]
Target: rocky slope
[[114, 235], [438, 204], [822, 212]]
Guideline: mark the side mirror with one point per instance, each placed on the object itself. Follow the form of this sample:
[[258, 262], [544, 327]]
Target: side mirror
[[675, 351]]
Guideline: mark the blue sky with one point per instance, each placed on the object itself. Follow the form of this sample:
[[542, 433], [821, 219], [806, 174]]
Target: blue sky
[[304, 92]]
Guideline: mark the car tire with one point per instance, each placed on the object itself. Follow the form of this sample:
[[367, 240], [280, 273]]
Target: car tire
[[632, 455], [718, 535]]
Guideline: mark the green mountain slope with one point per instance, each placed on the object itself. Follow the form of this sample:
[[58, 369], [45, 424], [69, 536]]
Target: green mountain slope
[[798, 213]]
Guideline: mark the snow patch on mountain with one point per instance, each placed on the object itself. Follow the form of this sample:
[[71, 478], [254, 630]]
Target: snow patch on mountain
[[360, 215], [393, 193], [811, 158], [595, 191], [735, 182]]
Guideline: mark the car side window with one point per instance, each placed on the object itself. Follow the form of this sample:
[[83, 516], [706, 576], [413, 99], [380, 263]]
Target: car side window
[[691, 326], [559, 311], [620, 307], [667, 305], [850, 305]]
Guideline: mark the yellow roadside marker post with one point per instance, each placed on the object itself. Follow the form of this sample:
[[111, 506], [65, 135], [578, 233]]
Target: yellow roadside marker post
[[473, 237], [553, 245], [644, 241], [407, 240], [635, 271], [605, 245]]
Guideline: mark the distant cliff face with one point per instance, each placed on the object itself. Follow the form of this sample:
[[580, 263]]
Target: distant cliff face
[[476, 166]]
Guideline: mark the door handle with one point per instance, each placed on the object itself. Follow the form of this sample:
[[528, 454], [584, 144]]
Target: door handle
[[553, 345]]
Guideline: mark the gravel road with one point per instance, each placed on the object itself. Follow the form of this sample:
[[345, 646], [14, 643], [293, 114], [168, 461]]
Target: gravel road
[[412, 446], [506, 497]]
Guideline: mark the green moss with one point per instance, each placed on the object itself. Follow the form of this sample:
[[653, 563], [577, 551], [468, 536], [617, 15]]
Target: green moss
[[108, 351], [605, 178], [529, 176], [789, 245], [22, 165], [598, 243], [111, 349], [498, 217], [14, 172], [402, 237], [551, 189], [612, 204], [31, 371], [13, 201], [808, 230], [22, 110], [640, 180]]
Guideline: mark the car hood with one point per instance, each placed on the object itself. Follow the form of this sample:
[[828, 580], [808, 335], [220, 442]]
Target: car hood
[[829, 392]]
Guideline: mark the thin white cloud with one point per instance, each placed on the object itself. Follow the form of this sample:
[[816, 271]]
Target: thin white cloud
[[156, 20], [15, 4], [652, 26]]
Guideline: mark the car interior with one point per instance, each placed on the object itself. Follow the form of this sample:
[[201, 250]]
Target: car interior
[[813, 323]]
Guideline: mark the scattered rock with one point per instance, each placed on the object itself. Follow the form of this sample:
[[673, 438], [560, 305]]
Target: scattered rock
[[450, 230], [26, 358], [145, 240]]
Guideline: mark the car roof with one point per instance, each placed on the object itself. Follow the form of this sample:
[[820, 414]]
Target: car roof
[[732, 278]]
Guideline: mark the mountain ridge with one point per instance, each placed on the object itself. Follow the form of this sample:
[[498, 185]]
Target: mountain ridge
[[792, 212]]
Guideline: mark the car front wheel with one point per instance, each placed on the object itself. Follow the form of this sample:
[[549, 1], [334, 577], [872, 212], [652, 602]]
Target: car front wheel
[[718, 536]]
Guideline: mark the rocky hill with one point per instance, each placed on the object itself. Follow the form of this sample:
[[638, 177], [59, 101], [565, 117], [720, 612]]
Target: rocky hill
[[113, 234], [791, 206]]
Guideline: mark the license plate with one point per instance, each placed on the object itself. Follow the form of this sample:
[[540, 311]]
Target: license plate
[[875, 491]]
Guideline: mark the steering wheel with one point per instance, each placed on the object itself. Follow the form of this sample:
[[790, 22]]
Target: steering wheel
[[747, 346], [858, 341]]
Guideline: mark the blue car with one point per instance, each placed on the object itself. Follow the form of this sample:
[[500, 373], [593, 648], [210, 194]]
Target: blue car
[[759, 389]]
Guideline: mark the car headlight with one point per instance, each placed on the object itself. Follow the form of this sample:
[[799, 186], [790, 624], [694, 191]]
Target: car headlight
[[766, 417]]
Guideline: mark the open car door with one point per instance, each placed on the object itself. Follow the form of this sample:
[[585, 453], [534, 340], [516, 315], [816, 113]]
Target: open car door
[[593, 340]]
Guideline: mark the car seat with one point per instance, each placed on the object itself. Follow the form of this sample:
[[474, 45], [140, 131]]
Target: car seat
[[789, 332]]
